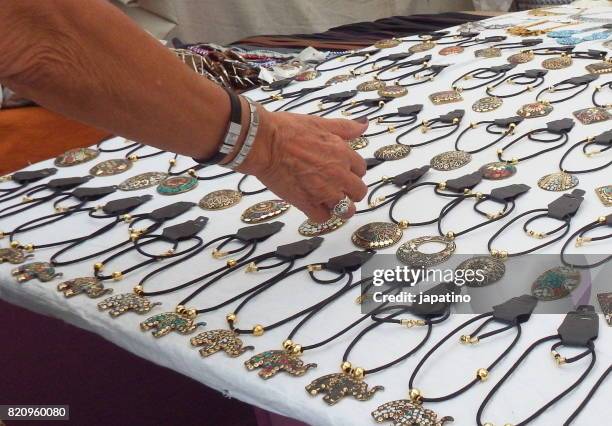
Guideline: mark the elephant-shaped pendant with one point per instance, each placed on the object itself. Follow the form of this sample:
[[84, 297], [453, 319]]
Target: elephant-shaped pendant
[[271, 362], [122, 303], [163, 324], [213, 341], [338, 385], [404, 412], [89, 286], [13, 255], [43, 271]]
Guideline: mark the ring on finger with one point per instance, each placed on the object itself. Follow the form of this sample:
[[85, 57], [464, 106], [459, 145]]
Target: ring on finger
[[342, 207]]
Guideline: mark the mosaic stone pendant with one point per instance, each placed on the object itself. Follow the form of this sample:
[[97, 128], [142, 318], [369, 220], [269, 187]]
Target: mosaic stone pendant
[[392, 152], [89, 286], [600, 68], [167, 322], [127, 302], [557, 63], [605, 302], [111, 167], [445, 97], [14, 255], [340, 78], [487, 104], [558, 182], [264, 210], [450, 160], [489, 52], [175, 185], [451, 50], [42, 271], [605, 195], [556, 283], [497, 170], [487, 270], [409, 254], [370, 86], [142, 181], [307, 75], [221, 199], [272, 362], [213, 341], [312, 229], [377, 235], [358, 143], [404, 412], [387, 43], [76, 156], [534, 110], [422, 47], [392, 91], [521, 57], [339, 385], [592, 115]]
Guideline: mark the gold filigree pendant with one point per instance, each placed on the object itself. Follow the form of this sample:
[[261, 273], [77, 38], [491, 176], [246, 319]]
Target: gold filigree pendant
[[128, 302], [605, 195], [450, 160], [91, 287], [392, 152], [358, 143], [557, 63], [404, 412], [264, 210], [534, 110], [309, 228], [377, 235], [213, 341], [111, 167], [339, 385], [558, 182], [487, 104], [221, 199], [445, 97]]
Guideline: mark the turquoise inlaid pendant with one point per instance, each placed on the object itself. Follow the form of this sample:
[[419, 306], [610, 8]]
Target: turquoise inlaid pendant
[[176, 185], [272, 362], [556, 283], [42, 271]]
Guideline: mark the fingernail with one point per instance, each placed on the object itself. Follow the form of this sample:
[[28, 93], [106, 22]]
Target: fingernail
[[362, 120]]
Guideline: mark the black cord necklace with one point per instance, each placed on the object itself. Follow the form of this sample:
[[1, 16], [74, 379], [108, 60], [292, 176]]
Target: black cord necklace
[[158, 216], [182, 319], [495, 51], [363, 108], [599, 89], [604, 140], [527, 55], [225, 198], [404, 116], [291, 97], [507, 126], [586, 400], [579, 329], [425, 74], [422, 63], [390, 61], [192, 171], [471, 42], [22, 180], [350, 381], [579, 237], [511, 314], [581, 82], [327, 103], [362, 56], [529, 80]]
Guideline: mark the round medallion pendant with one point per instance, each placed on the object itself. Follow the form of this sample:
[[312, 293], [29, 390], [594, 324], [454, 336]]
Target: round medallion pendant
[[558, 182], [72, 157], [486, 270], [556, 283], [497, 170], [487, 104], [521, 57], [489, 52], [409, 253], [450, 160], [340, 78], [111, 167], [221, 199], [377, 235], [358, 143], [387, 43], [422, 47], [264, 210], [534, 110], [451, 50], [142, 181], [307, 75], [312, 229], [392, 152], [392, 91], [370, 86], [557, 63], [174, 185]]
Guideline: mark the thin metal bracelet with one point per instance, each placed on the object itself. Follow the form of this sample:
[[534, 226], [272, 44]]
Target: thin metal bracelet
[[250, 138]]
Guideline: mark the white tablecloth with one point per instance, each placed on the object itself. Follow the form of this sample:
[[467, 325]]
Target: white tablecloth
[[536, 382]]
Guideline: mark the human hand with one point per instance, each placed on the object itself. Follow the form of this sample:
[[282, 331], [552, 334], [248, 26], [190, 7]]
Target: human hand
[[306, 161]]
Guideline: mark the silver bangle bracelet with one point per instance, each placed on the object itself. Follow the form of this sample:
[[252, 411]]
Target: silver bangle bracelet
[[250, 138]]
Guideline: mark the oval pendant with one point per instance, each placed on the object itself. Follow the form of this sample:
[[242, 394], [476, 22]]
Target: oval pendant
[[370, 86], [486, 270], [377, 235], [392, 152], [557, 63], [174, 185], [387, 43], [264, 210], [450, 160], [220, 199], [557, 182], [556, 283], [309, 228], [142, 181], [111, 167], [534, 110], [392, 91], [445, 97], [358, 143], [75, 156], [307, 75], [422, 47], [487, 104], [605, 195], [489, 52], [409, 253], [521, 57], [497, 170], [451, 50], [340, 78]]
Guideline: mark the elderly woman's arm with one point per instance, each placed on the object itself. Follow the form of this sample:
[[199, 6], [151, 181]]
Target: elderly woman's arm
[[88, 61]]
